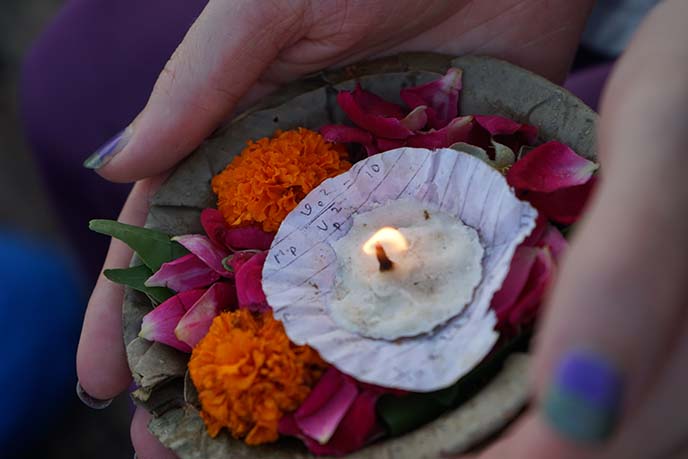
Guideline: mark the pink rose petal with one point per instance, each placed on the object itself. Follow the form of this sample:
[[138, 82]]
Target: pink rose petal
[[159, 324], [416, 120], [195, 323], [525, 309], [541, 225], [357, 427], [237, 238], [458, 130], [554, 241], [379, 125], [497, 125], [248, 237], [564, 206], [550, 167], [376, 105], [184, 273], [440, 96], [521, 264], [249, 284], [325, 407], [517, 302], [208, 251], [345, 134], [388, 144], [371, 149]]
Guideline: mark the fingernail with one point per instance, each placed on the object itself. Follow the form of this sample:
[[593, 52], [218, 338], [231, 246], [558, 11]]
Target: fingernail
[[584, 400], [109, 150], [90, 401]]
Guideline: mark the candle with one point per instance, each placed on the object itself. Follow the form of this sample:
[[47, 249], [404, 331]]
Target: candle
[[404, 268]]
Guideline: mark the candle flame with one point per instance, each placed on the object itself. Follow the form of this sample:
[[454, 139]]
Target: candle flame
[[388, 237]]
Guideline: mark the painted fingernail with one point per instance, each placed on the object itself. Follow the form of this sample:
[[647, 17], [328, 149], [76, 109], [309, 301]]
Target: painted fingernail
[[90, 401], [109, 150], [584, 400]]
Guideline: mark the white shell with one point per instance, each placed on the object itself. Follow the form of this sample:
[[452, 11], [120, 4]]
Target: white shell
[[299, 272]]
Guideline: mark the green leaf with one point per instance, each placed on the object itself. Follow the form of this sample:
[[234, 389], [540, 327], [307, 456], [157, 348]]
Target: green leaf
[[135, 278], [402, 414], [154, 247]]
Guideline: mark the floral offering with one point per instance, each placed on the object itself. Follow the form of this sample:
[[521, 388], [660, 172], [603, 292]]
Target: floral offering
[[257, 301]]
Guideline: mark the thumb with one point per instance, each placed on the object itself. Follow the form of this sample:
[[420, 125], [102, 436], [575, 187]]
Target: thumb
[[220, 59]]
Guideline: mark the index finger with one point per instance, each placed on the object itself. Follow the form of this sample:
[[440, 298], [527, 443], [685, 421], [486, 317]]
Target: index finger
[[101, 358]]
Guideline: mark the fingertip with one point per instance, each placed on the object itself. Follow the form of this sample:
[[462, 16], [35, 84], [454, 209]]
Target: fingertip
[[102, 375], [144, 443]]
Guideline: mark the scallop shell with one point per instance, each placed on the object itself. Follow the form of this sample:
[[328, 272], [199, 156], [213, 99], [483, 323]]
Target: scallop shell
[[300, 270]]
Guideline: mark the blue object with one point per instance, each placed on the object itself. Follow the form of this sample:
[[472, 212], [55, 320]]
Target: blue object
[[41, 309]]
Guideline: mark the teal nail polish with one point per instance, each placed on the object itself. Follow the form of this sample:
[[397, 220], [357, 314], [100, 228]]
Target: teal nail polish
[[107, 151], [585, 397]]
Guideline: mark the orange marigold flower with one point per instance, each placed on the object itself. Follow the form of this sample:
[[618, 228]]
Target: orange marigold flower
[[270, 176], [248, 375]]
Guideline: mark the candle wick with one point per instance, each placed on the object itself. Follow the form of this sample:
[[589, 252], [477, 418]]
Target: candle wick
[[385, 263]]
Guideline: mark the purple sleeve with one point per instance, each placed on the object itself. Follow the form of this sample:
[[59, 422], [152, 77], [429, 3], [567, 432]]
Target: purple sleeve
[[84, 80]]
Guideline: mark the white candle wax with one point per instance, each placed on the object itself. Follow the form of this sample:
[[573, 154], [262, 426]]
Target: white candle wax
[[431, 280]]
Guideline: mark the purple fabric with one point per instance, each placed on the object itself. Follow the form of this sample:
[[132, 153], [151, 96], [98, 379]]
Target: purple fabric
[[85, 79], [588, 83]]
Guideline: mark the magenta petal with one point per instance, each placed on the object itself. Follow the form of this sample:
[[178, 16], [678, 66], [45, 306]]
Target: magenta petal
[[376, 105], [345, 134], [238, 259], [388, 144], [159, 324], [214, 225], [210, 252], [359, 427], [324, 408], [371, 149], [458, 130], [541, 225], [243, 237], [249, 284], [440, 96], [416, 120], [184, 273], [248, 237], [382, 126], [526, 308], [497, 125], [564, 206], [521, 264], [554, 241], [195, 323], [550, 167]]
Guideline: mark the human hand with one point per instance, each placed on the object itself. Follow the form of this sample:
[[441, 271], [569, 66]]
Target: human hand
[[621, 296], [239, 50]]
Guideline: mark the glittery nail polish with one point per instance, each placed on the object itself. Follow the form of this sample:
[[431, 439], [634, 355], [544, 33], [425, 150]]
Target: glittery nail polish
[[89, 400], [584, 400], [108, 150]]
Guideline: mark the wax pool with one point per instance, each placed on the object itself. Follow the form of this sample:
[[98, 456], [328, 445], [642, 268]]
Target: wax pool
[[431, 281]]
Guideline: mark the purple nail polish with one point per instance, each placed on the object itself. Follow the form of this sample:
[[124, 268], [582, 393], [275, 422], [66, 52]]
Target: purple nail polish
[[585, 397], [107, 151]]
